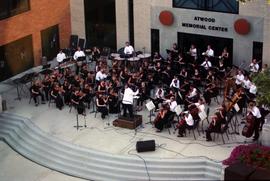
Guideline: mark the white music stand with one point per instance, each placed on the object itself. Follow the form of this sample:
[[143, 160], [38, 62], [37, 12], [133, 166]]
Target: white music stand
[[150, 107], [236, 107]]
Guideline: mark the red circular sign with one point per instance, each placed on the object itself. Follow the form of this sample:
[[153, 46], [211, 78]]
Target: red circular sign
[[166, 18], [242, 26]]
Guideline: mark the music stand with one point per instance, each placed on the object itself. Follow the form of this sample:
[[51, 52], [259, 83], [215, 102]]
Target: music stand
[[77, 118], [150, 107]]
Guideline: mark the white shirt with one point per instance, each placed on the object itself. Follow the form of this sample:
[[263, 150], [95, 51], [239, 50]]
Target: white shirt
[[60, 57], [254, 67], [100, 76], [239, 79], [161, 95], [128, 96], [210, 52], [256, 112], [128, 50], [207, 64], [78, 54], [193, 93], [246, 83], [189, 120], [175, 83], [253, 89], [193, 52], [173, 105]]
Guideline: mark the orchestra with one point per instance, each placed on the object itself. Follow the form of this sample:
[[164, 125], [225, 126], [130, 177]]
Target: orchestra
[[180, 79]]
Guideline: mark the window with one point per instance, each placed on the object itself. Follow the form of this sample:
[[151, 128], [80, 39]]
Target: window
[[9, 8], [225, 6]]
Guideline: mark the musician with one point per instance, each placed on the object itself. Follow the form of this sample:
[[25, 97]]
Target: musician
[[77, 100], [197, 77], [128, 50], [156, 57], [252, 91], [175, 84], [113, 101], [254, 110], [89, 94], [101, 105], [172, 104], [124, 75], [239, 79], [78, 53], [192, 95], [101, 75], [36, 90], [67, 92], [210, 78], [132, 81], [144, 94], [173, 51], [254, 66], [193, 52], [162, 118], [246, 83], [46, 86], [186, 122], [215, 125], [206, 64], [221, 68], [209, 52], [183, 74], [56, 96], [84, 72], [102, 87], [60, 57], [159, 97], [200, 105], [225, 57], [95, 53], [210, 91], [128, 100]]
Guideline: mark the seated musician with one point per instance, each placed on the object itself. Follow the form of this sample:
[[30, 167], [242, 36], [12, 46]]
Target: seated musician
[[124, 75], [197, 77], [193, 95], [174, 51], [156, 57], [206, 64], [47, 86], [144, 94], [36, 90], [184, 89], [186, 122], [255, 111], [172, 104], [215, 125], [162, 118], [210, 78], [128, 50], [101, 75], [84, 72], [254, 66], [78, 53], [175, 84], [183, 74], [159, 97], [209, 52], [113, 101], [200, 105], [158, 70], [246, 83], [56, 95], [95, 53], [221, 69], [77, 100], [210, 91], [239, 79], [225, 57], [102, 87], [252, 91], [132, 81], [67, 92], [101, 102], [89, 94]]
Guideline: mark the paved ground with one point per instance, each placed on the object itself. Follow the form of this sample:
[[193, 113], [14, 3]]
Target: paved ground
[[100, 135]]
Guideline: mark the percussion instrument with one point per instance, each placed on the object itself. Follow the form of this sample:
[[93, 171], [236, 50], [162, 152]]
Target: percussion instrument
[[114, 55], [145, 56], [133, 63]]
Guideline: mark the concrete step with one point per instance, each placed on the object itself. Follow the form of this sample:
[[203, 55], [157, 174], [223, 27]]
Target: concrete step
[[30, 141]]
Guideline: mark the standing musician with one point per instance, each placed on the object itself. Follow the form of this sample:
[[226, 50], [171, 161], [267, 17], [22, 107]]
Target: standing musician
[[67, 92], [254, 110], [95, 53], [193, 52], [89, 94], [113, 101], [78, 57], [46, 86], [36, 90], [128, 50], [101, 75], [209, 52], [254, 66], [186, 122], [60, 57], [221, 68], [225, 57], [102, 105], [128, 100], [162, 118], [56, 95], [156, 57], [144, 94]]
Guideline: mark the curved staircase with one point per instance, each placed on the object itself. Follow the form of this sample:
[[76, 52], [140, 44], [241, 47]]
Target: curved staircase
[[33, 143]]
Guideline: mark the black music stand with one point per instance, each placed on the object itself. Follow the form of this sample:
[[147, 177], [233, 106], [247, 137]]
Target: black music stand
[[77, 118], [150, 107]]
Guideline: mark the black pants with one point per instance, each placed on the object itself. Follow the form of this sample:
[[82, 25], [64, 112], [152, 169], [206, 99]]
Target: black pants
[[104, 111], [36, 95], [210, 130], [128, 107], [256, 127]]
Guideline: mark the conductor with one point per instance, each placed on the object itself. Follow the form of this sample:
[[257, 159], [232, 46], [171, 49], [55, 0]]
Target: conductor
[[128, 100]]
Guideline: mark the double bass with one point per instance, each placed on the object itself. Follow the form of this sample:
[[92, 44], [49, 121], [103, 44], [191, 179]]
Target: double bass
[[248, 129]]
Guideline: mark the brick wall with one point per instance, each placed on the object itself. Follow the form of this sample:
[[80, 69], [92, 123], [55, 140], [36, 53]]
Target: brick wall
[[43, 14]]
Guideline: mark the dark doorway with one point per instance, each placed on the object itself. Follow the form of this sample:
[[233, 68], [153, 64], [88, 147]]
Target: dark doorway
[[155, 40], [50, 42], [16, 57], [258, 52], [201, 42], [100, 23]]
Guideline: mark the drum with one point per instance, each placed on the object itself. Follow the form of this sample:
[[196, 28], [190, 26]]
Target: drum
[[133, 63], [114, 55], [145, 56]]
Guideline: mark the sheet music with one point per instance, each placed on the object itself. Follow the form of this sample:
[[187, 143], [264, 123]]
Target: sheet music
[[202, 115], [150, 106], [178, 110], [236, 107]]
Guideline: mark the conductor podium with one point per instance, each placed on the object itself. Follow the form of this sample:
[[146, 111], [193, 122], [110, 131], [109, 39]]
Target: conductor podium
[[127, 122]]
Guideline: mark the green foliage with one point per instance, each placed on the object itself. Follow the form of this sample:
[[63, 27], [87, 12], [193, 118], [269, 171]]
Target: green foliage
[[262, 81]]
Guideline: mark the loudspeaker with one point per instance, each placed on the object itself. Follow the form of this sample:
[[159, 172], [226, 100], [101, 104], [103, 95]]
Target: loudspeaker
[[73, 42], [143, 146], [81, 43], [238, 171]]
